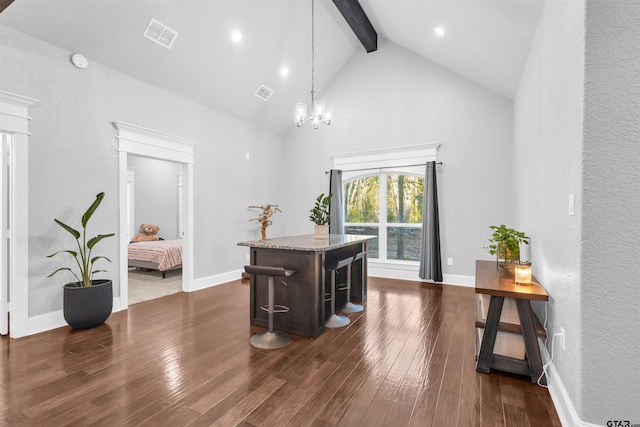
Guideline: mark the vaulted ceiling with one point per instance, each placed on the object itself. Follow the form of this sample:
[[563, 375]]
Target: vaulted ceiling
[[485, 40]]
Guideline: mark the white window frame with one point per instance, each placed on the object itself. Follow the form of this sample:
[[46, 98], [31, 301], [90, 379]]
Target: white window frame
[[407, 160]]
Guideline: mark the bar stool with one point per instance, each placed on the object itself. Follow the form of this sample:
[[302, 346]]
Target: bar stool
[[270, 339], [351, 307], [335, 320]]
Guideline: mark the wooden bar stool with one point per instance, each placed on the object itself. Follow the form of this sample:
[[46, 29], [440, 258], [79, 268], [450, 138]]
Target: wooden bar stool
[[335, 320], [270, 339], [351, 307]]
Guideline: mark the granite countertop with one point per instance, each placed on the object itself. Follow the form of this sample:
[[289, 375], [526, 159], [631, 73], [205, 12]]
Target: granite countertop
[[308, 242]]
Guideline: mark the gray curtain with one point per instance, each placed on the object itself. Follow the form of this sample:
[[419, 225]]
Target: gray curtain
[[336, 223], [430, 261]]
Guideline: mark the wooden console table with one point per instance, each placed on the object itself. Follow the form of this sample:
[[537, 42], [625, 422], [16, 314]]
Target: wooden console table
[[498, 283]]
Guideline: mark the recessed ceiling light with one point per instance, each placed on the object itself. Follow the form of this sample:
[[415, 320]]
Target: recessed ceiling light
[[439, 31], [284, 71], [236, 36]]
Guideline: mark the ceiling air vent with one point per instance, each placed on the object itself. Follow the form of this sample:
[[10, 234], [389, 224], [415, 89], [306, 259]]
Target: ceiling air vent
[[264, 92], [159, 33]]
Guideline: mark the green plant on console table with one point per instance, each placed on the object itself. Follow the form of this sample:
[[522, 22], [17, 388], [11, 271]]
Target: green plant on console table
[[320, 212], [505, 242]]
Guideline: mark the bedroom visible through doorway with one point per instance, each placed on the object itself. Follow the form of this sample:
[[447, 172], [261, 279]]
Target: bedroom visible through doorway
[[154, 216]]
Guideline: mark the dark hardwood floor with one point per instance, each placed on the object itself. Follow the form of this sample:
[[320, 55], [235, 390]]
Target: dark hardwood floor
[[185, 359]]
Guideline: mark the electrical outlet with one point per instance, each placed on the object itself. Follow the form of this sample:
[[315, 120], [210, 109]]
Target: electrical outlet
[[561, 338], [246, 257], [449, 261]]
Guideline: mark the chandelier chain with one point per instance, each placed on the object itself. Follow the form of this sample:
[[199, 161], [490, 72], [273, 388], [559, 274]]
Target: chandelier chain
[[313, 52]]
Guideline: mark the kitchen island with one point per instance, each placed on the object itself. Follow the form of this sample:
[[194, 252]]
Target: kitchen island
[[304, 292]]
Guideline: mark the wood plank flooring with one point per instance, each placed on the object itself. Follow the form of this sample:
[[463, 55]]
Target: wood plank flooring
[[185, 360]]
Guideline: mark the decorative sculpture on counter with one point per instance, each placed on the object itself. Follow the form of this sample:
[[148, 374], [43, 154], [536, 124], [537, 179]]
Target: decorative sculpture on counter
[[263, 218]]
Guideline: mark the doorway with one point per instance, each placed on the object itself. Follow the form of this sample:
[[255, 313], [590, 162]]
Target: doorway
[[5, 248], [154, 194], [150, 144]]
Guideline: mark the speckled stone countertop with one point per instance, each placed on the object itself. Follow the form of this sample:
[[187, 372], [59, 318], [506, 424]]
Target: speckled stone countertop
[[308, 242]]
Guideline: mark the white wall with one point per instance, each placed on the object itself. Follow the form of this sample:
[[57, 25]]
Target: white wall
[[72, 157], [548, 146], [156, 194], [611, 212], [393, 98], [576, 125]]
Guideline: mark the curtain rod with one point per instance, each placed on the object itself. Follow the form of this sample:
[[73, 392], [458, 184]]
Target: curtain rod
[[381, 167]]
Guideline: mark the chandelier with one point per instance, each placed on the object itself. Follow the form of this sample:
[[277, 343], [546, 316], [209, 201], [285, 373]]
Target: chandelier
[[319, 113]]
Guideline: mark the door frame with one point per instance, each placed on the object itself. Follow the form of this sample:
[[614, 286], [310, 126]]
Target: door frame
[[150, 143], [14, 119]]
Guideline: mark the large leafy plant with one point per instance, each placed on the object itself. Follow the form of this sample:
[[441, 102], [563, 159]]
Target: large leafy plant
[[320, 212], [505, 243], [83, 256]]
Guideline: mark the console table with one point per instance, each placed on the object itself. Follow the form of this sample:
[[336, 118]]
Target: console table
[[304, 292], [499, 284]]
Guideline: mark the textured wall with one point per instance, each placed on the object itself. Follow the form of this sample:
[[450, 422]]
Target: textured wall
[[72, 157], [611, 212], [393, 98], [548, 115]]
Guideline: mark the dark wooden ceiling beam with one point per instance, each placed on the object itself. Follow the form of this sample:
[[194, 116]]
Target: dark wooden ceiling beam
[[357, 19], [4, 4]]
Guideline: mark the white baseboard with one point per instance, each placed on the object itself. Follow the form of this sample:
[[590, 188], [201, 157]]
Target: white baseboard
[[216, 279], [561, 400], [48, 321], [410, 272]]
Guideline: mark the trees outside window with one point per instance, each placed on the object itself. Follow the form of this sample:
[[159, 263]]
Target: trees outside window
[[388, 206]]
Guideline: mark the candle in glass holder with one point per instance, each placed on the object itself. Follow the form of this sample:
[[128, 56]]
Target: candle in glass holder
[[522, 275]]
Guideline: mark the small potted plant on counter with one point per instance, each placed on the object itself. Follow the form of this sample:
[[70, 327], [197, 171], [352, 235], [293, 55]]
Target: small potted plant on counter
[[87, 302], [320, 215]]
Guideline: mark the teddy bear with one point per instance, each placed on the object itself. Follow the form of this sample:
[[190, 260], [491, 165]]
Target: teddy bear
[[148, 232]]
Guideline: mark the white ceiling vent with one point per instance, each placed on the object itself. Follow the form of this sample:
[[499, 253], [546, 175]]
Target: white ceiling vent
[[264, 92], [159, 33]]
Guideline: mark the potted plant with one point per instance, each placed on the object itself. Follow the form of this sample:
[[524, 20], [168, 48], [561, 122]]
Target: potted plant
[[320, 215], [87, 302], [505, 243]]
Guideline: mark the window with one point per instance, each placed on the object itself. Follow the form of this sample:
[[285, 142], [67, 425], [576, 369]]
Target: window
[[389, 206], [383, 192]]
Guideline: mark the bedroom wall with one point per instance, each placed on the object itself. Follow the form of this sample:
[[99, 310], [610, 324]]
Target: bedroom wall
[[156, 194], [393, 98], [72, 157]]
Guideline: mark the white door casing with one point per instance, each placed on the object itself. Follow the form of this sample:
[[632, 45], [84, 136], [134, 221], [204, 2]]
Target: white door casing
[[14, 120], [145, 142]]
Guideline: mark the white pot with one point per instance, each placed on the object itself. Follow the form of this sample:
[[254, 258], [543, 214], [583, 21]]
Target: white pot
[[321, 231]]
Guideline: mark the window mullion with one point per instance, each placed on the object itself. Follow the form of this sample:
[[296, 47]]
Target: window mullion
[[382, 231]]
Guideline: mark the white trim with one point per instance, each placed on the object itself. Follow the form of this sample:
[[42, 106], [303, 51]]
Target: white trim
[[150, 143], [14, 118], [402, 159], [55, 319], [559, 395], [216, 279], [409, 271], [131, 204]]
